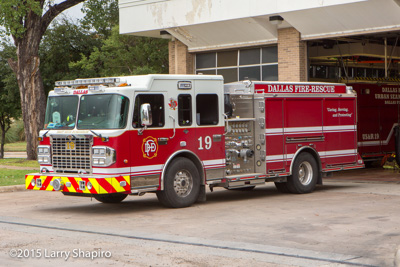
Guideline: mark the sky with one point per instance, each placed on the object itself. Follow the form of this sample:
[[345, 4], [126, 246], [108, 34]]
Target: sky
[[73, 12]]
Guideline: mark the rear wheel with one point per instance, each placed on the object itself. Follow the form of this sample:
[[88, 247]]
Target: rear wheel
[[110, 198], [304, 176], [181, 184]]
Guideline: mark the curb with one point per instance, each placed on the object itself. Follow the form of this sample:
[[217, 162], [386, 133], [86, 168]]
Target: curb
[[12, 188]]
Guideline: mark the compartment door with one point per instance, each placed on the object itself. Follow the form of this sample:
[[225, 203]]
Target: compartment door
[[274, 135]]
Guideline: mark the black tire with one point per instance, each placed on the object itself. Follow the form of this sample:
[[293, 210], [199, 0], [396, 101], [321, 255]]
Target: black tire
[[181, 184], [282, 187], [304, 174], [110, 198]]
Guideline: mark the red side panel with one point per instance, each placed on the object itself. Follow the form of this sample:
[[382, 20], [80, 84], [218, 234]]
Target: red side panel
[[340, 131], [303, 122], [274, 134], [326, 125]]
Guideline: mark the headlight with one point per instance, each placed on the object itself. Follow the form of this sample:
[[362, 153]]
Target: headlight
[[44, 159], [43, 150], [103, 156], [99, 151], [44, 155]]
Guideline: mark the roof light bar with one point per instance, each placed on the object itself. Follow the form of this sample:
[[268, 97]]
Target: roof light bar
[[95, 81]]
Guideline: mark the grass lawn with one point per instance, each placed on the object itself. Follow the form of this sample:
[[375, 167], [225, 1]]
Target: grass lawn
[[15, 147], [19, 163], [14, 177]]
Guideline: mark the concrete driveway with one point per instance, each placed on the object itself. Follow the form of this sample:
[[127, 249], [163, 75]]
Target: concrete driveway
[[343, 223]]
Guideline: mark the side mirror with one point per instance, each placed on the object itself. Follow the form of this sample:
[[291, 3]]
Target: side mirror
[[145, 115]]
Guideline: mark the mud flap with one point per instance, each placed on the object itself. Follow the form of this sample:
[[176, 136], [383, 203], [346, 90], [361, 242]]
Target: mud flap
[[397, 143], [202, 194]]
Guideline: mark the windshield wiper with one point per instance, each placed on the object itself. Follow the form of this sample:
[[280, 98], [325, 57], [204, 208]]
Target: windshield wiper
[[103, 138], [44, 135]]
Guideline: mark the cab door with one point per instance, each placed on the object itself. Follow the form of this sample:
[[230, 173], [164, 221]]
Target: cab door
[[148, 151]]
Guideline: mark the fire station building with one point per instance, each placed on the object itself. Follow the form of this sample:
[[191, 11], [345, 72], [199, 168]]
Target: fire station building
[[273, 40]]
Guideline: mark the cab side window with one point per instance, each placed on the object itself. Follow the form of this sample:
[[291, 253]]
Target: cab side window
[[185, 110], [156, 102], [207, 109]]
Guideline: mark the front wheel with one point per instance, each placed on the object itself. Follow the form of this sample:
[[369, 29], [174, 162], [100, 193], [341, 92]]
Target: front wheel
[[304, 176], [181, 184], [110, 198]]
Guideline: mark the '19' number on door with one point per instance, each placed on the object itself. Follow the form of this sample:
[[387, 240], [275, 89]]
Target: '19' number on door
[[207, 142]]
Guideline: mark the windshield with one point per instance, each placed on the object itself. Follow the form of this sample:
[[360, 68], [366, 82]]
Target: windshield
[[61, 112], [108, 111]]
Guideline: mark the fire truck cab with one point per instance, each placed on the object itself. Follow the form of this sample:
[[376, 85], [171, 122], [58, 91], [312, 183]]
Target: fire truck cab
[[174, 134]]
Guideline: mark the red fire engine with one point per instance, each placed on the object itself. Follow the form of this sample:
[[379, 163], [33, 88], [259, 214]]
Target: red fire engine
[[378, 119], [174, 134]]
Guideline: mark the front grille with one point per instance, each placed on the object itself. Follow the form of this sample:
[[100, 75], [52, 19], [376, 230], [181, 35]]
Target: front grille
[[71, 153]]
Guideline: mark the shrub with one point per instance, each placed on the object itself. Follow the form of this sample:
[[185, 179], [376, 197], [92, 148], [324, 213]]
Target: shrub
[[16, 132]]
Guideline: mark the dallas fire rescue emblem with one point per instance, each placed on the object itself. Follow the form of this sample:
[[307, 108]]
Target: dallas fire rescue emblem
[[149, 147]]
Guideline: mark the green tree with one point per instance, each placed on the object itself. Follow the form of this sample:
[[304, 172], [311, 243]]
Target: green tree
[[9, 94], [100, 16], [27, 21], [124, 55], [63, 43]]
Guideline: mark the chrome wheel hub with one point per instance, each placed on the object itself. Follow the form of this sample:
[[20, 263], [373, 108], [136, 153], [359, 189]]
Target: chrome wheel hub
[[305, 173], [183, 183]]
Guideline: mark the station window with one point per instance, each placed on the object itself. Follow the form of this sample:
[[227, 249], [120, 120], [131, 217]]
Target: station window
[[230, 75], [156, 102], [270, 54], [205, 61], [270, 73], [227, 58], [207, 109], [249, 56], [249, 73], [185, 110], [259, 64]]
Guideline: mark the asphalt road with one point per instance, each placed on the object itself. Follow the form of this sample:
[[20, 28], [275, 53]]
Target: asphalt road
[[342, 223]]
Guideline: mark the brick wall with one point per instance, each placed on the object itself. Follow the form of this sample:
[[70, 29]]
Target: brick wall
[[180, 60], [292, 56]]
